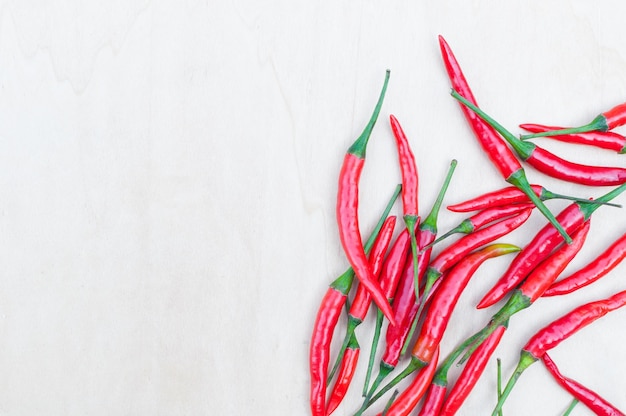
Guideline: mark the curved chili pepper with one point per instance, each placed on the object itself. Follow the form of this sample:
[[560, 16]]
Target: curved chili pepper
[[442, 304], [606, 121], [471, 373], [409, 398], [597, 268], [347, 211], [484, 217], [344, 377], [588, 397], [326, 320], [556, 332], [410, 181], [362, 300], [602, 139], [502, 157], [449, 256], [572, 217], [534, 285], [508, 196]]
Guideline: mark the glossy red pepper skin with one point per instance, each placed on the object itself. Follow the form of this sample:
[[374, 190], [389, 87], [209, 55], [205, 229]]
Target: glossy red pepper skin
[[408, 169], [593, 271], [344, 377], [471, 373], [347, 212], [410, 397], [602, 139], [497, 150], [540, 247], [588, 397], [505, 196], [434, 400]]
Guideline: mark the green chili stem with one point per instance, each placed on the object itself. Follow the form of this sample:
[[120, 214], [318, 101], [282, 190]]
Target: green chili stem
[[370, 364], [571, 407]]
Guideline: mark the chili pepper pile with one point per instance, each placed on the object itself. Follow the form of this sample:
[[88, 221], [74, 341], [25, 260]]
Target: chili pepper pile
[[416, 294]]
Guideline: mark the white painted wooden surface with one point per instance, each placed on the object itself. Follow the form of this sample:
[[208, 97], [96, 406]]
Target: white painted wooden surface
[[168, 176]]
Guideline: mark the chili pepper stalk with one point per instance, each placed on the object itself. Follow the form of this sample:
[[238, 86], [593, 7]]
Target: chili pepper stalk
[[326, 320], [556, 332], [606, 121]]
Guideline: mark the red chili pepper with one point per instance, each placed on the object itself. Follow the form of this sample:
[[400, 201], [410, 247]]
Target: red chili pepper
[[496, 149], [362, 300], [410, 181], [442, 305], [549, 163], [572, 217], [347, 211], [471, 373], [404, 305], [602, 139], [606, 121], [597, 268], [588, 397], [344, 377], [535, 284], [409, 398], [508, 196], [449, 256], [484, 217], [326, 320], [556, 332]]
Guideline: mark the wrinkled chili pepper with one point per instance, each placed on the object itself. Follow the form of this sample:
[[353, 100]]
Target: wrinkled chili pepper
[[602, 139], [549, 163], [572, 217], [606, 121], [408, 399], [556, 332], [502, 157], [404, 305], [471, 373], [588, 397], [344, 377], [362, 300], [442, 305], [410, 182], [326, 320], [347, 211], [534, 285], [593, 271], [484, 217], [508, 196]]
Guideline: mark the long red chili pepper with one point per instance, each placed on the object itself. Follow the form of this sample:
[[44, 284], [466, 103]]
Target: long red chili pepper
[[326, 320], [572, 217], [534, 285], [442, 305], [471, 373], [502, 157], [344, 377], [605, 121], [588, 397], [410, 181], [484, 217], [362, 300], [508, 196], [411, 396], [593, 271], [449, 256], [602, 139], [549, 163], [347, 211], [404, 305], [556, 332]]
